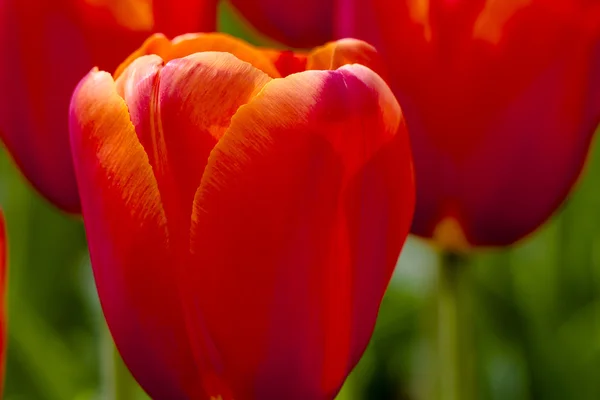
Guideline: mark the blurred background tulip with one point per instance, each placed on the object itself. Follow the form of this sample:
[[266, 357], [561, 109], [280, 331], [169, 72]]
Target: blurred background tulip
[[48, 45], [501, 115], [318, 167]]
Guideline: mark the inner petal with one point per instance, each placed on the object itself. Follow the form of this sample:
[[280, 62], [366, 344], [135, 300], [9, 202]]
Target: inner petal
[[180, 111], [191, 43]]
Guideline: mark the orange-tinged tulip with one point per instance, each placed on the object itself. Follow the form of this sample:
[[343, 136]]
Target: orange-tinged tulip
[[242, 227], [501, 99], [2, 301], [47, 46]]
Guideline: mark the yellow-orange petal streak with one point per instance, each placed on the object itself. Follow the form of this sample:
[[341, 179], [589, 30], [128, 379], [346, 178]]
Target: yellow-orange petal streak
[[124, 220], [180, 111], [296, 228]]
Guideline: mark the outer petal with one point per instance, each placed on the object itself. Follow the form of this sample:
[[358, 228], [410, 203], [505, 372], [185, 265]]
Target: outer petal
[[128, 241], [297, 226], [3, 274], [297, 23]]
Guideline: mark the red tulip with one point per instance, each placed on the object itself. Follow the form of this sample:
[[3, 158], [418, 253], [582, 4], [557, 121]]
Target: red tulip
[[501, 99], [297, 23], [2, 301], [47, 46], [242, 227]]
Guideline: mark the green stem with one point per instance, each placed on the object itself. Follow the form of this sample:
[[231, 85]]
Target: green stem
[[453, 331], [125, 387]]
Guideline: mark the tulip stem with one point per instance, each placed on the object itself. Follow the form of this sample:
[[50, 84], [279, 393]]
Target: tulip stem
[[452, 328]]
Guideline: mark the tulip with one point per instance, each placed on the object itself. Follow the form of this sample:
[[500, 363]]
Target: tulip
[[47, 46], [2, 301], [242, 227], [298, 23], [501, 100]]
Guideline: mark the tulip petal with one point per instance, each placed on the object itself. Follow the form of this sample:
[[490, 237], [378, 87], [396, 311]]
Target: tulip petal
[[286, 61], [178, 125], [525, 194], [346, 51], [156, 44], [191, 43], [196, 42], [124, 218], [297, 226]]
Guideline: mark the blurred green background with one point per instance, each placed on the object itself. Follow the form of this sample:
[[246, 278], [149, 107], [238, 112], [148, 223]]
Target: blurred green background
[[531, 321]]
